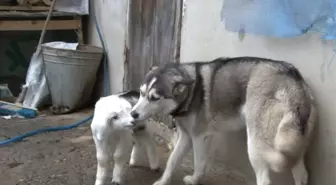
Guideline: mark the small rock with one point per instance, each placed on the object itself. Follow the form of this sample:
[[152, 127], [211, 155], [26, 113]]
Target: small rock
[[14, 164]]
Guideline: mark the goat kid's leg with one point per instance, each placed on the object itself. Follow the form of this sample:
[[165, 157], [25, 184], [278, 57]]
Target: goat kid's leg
[[121, 156], [102, 154], [175, 158]]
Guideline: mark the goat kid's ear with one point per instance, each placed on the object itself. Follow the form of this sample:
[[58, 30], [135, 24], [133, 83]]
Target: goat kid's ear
[[153, 67]]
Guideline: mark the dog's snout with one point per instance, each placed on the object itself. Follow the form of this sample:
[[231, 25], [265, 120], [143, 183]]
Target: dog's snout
[[134, 114]]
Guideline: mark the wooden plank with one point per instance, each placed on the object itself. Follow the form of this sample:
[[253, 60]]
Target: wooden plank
[[28, 25], [80, 36], [18, 14], [154, 39], [25, 8]]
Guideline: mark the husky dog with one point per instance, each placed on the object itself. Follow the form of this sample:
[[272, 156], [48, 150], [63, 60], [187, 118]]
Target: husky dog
[[269, 98], [114, 132]]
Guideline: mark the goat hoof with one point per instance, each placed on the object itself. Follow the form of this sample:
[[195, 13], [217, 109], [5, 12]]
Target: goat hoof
[[156, 169], [115, 183]]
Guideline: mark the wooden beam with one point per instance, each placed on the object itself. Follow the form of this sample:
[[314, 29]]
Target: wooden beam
[[27, 15], [24, 8], [80, 36], [27, 25]]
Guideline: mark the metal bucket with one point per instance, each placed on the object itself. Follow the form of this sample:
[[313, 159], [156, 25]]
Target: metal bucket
[[71, 75]]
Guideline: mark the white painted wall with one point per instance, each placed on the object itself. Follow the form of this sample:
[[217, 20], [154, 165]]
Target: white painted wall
[[204, 38], [112, 19]]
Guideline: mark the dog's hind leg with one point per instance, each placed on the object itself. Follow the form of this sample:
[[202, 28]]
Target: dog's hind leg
[[260, 166], [262, 175], [203, 150], [300, 174], [261, 171]]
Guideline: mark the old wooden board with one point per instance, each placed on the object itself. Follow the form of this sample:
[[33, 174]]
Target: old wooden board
[[30, 25], [25, 8], [20, 14], [153, 39]]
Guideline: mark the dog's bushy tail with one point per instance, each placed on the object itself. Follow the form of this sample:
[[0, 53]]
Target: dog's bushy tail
[[288, 139], [287, 145], [294, 128]]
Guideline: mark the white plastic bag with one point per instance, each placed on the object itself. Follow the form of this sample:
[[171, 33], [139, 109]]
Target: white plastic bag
[[37, 93]]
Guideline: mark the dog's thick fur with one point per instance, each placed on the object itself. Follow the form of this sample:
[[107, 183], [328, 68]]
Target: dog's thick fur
[[269, 98], [114, 133]]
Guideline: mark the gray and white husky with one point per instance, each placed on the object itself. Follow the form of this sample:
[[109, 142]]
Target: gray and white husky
[[269, 98]]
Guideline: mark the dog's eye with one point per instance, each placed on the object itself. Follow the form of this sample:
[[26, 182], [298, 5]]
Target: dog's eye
[[115, 117]]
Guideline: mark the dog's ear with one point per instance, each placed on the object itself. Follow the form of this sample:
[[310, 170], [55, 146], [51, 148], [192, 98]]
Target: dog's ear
[[182, 80], [181, 85], [179, 89]]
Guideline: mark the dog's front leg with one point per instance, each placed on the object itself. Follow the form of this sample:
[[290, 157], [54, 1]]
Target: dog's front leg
[[143, 139], [175, 158], [203, 149]]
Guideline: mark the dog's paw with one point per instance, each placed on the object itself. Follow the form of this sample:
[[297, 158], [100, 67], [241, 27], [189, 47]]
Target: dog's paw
[[115, 183], [99, 182], [137, 166], [135, 163], [133, 166], [154, 165], [302, 181], [190, 180], [156, 169]]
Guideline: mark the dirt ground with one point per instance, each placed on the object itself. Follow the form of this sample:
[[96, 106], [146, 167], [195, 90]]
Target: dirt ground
[[68, 157]]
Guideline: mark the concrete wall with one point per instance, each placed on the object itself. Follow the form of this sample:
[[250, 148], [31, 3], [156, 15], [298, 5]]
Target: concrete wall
[[112, 19], [204, 38]]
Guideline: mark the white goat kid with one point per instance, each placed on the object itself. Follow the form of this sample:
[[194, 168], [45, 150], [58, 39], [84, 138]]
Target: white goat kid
[[114, 132]]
